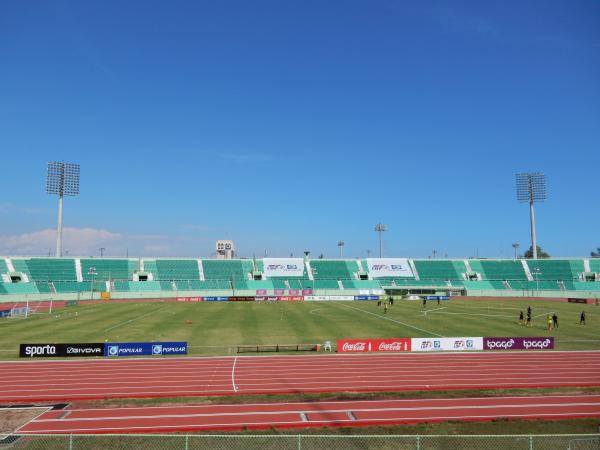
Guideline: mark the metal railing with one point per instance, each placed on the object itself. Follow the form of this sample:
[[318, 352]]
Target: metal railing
[[300, 442]]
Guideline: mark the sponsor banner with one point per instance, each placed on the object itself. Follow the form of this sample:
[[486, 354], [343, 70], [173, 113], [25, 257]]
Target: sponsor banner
[[518, 343], [437, 297], [189, 299], [374, 345], [341, 297], [366, 297], [60, 350], [389, 267], [294, 292], [113, 349], [5, 313], [241, 299], [307, 291], [290, 298], [278, 292], [314, 298], [447, 344], [577, 300], [261, 292], [283, 267], [215, 299]]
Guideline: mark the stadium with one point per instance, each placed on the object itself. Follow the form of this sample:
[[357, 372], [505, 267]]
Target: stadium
[[299, 225]]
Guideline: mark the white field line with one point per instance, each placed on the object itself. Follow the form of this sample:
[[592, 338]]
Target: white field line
[[133, 320], [391, 320], [432, 310], [235, 388]]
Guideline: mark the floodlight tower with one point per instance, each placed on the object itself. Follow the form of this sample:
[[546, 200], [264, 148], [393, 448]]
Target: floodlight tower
[[62, 179], [341, 246], [380, 228], [531, 187]]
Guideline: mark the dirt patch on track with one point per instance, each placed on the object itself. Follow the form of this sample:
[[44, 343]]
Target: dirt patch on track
[[13, 418]]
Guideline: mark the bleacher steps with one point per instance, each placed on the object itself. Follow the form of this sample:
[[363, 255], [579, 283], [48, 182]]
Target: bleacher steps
[[309, 271], [561, 285], [78, 270], [527, 271], [201, 270], [586, 265], [52, 287], [411, 263], [9, 265], [507, 285], [340, 285], [173, 286], [142, 265], [468, 266]]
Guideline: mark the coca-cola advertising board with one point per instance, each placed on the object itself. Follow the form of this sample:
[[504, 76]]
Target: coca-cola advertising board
[[518, 343], [373, 345]]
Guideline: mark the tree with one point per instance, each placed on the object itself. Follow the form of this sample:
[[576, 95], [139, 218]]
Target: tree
[[595, 254], [540, 253]]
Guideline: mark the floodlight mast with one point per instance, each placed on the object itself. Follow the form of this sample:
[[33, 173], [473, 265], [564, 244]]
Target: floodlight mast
[[62, 179], [531, 187], [380, 228]]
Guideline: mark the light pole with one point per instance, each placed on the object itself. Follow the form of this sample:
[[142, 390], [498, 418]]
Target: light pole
[[368, 253], [341, 246], [380, 228], [515, 246], [62, 179], [101, 250], [531, 187], [434, 252], [536, 274], [92, 271]]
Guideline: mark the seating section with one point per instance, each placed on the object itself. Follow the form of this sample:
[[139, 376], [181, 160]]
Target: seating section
[[59, 275], [440, 269], [555, 269], [173, 269], [46, 269], [595, 265], [333, 269], [499, 270], [108, 269]]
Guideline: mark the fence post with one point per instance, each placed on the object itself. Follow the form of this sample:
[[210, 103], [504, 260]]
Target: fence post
[[70, 442], [530, 442], [299, 442], [187, 441], [418, 442]]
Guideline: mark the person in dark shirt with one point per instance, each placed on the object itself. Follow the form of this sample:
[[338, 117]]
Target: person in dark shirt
[[555, 320], [521, 318], [582, 318]]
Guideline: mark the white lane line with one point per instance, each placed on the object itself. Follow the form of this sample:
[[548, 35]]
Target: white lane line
[[133, 320], [323, 411], [235, 388], [391, 320], [316, 422]]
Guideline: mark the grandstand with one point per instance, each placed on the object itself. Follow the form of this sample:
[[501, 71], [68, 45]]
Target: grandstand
[[78, 278]]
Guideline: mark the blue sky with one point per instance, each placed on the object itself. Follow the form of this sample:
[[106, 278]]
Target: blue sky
[[289, 125]]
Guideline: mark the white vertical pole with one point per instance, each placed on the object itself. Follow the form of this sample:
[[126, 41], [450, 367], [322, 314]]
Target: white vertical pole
[[533, 237], [59, 228]]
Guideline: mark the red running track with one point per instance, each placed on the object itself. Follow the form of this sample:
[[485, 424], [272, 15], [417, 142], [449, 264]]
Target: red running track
[[42, 381], [312, 414]]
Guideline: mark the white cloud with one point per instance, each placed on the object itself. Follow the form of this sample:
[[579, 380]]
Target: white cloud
[[79, 241]]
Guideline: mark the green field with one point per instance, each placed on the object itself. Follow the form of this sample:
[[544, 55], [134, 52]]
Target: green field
[[218, 328]]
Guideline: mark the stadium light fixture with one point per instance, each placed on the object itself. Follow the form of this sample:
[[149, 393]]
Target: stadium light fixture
[[62, 179], [531, 187], [341, 246], [380, 228], [515, 246]]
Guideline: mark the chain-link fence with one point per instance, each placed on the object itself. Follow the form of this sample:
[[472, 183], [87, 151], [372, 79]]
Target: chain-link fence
[[300, 442]]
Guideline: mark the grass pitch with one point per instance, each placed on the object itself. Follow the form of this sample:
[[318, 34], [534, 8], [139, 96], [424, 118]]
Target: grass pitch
[[218, 328]]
